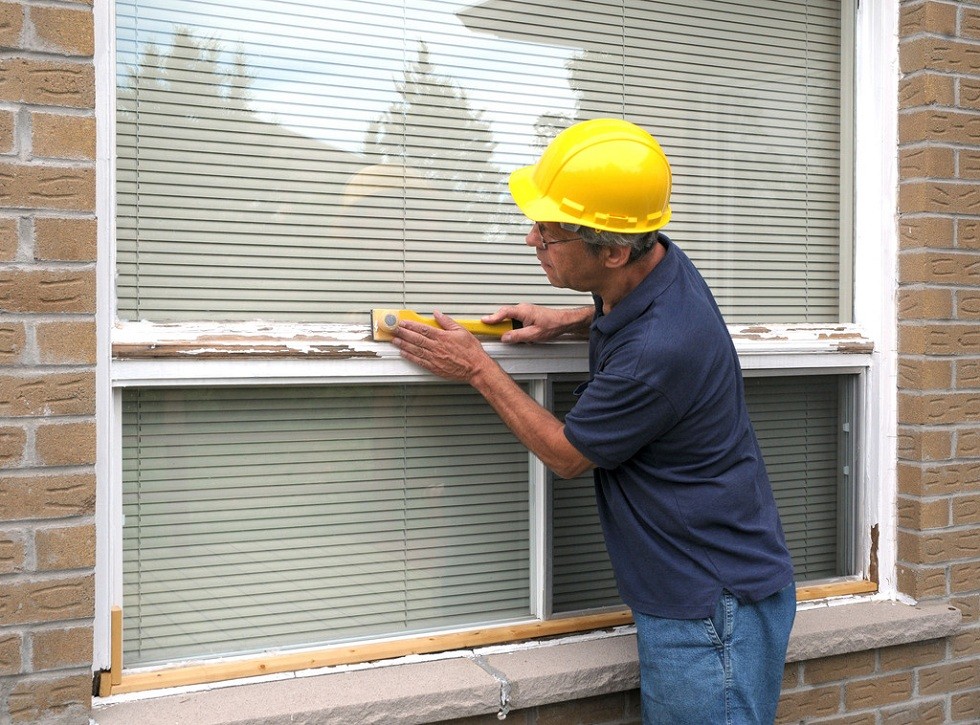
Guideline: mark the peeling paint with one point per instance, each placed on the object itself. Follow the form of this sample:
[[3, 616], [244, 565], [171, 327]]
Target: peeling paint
[[141, 340]]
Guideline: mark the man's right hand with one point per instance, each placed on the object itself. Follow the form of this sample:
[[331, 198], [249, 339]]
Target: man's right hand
[[539, 324]]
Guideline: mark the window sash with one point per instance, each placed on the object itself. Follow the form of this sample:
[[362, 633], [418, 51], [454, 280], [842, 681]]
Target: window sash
[[226, 214]]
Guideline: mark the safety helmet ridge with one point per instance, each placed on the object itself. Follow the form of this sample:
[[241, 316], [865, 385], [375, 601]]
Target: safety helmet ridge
[[605, 173]]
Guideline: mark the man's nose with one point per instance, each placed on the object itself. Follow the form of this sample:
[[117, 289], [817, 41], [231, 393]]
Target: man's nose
[[533, 238]]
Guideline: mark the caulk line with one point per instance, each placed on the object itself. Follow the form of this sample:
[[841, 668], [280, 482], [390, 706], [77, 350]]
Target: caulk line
[[501, 678]]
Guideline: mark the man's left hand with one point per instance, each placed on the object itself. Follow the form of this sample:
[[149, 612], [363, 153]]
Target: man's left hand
[[451, 352]]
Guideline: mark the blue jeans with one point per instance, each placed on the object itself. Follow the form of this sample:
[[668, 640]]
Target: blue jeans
[[724, 670]]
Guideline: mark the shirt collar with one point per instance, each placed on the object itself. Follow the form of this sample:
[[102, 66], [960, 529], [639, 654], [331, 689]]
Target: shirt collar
[[640, 299]]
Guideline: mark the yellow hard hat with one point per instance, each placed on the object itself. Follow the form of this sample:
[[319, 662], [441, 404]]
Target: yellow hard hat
[[606, 173]]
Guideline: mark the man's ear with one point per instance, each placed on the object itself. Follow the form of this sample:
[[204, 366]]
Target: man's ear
[[615, 256]]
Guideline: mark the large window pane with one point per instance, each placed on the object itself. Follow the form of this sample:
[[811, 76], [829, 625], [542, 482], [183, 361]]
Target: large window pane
[[303, 160], [800, 424], [270, 517]]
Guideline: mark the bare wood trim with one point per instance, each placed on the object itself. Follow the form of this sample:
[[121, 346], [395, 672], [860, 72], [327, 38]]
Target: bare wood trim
[[220, 671], [113, 677], [835, 589], [209, 672]]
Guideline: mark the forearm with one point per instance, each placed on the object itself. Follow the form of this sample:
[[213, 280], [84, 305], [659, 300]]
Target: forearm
[[536, 427]]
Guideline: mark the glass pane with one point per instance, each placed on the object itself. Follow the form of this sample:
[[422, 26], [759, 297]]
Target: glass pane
[[277, 517], [295, 160], [798, 422]]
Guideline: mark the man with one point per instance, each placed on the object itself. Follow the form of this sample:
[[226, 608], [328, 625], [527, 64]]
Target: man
[[686, 507]]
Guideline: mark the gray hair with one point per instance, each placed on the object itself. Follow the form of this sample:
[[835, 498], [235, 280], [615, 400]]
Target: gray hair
[[639, 244]]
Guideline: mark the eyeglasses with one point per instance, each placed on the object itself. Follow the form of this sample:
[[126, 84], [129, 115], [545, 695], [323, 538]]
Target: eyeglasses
[[545, 243]]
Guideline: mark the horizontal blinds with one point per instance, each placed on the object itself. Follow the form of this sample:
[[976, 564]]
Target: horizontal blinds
[[277, 517], [796, 421], [297, 160], [582, 576]]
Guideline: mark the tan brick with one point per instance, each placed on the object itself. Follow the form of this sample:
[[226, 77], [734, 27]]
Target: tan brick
[[922, 582], [939, 339], [11, 553], [927, 162], [968, 163], [65, 547], [56, 649], [47, 187], [938, 547], [944, 55], [930, 712], [931, 17], [968, 233], [926, 231], [938, 408], [970, 23], [966, 510], [964, 706], [62, 30], [48, 291], [966, 644], [47, 83], [812, 703], [67, 698], [937, 126], [61, 136], [11, 644], [969, 89], [967, 443], [919, 515], [964, 578], [46, 496], [925, 303], [924, 444], [877, 692], [942, 268], [967, 374], [926, 89], [9, 239], [66, 343], [12, 442], [839, 667], [936, 197], [65, 444], [52, 394], [969, 607], [11, 24], [967, 304], [923, 374], [13, 337], [908, 656], [949, 677], [953, 478], [7, 125], [47, 600], [65, 239]]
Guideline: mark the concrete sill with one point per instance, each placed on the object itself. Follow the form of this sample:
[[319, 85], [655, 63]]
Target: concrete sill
[[498, 679]]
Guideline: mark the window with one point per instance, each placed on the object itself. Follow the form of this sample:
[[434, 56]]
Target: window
[[284, 167]]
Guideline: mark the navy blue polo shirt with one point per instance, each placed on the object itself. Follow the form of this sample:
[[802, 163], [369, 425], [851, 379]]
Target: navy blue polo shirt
[[682, 491]]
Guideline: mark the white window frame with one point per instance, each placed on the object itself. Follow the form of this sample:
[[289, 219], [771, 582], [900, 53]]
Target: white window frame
[[772, 350]]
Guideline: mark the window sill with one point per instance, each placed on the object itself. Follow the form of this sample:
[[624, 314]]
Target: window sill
[[146, 353], [497, 679]]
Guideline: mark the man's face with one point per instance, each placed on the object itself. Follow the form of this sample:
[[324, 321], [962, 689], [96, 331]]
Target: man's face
[[563, 257]]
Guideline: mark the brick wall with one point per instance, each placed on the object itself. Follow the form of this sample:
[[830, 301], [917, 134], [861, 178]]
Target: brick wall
[[47, 360], [47, 382], [939, 337]]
